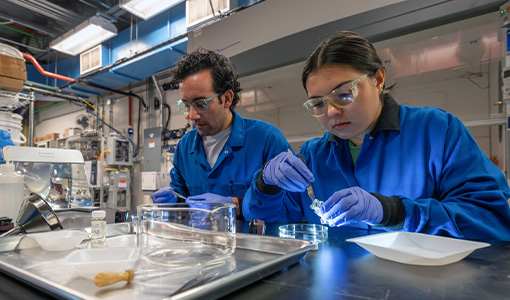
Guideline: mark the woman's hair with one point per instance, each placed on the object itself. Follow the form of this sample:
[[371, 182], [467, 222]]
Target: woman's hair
[[222, 70], [344, 47]]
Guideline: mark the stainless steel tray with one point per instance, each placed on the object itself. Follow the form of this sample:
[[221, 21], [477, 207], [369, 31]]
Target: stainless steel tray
[[255, 257]]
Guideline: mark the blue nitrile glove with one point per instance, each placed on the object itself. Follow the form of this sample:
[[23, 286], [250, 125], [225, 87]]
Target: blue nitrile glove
[[5, 140], [209, 198], [288, 172], [351, 205], [164, 196]]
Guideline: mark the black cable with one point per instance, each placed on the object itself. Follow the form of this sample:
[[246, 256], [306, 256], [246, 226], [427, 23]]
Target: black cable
[[113, 91], [168, 117]]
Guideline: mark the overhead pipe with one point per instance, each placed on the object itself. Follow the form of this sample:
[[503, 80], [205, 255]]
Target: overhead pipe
[[23, 45], [130, 109], [96, 86], [50, 10], [22, 30], [50, 93], [52, 33], [161, 100], [65, 78]]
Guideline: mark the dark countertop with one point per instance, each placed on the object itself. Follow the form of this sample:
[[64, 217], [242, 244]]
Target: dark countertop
[[343, 270]]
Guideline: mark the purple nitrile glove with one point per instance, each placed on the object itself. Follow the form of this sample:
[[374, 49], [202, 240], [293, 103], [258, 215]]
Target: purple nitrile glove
[[209, 198], [5, 140], [164, 196], [351, 205], [288, 172]]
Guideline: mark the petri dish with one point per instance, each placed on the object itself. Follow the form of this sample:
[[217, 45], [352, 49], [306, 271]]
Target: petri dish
[[310, 232]]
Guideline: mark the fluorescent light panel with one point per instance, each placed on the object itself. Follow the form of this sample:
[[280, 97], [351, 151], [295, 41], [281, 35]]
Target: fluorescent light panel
[[85, 36], [145, 9]]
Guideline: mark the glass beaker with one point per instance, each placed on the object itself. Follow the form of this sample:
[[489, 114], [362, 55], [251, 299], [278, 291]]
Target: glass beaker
[[181, 234]]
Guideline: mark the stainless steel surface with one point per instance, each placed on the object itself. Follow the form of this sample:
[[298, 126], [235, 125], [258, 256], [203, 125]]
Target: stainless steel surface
[[337, 270], [9, 243], [35, 215], [75, 217], [254, 258]]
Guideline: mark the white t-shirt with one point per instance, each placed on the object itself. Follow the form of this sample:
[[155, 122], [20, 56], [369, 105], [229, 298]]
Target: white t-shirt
[[214, 144]]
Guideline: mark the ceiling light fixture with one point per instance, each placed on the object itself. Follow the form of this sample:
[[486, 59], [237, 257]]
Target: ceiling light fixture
[[145, 9], [85, 36]]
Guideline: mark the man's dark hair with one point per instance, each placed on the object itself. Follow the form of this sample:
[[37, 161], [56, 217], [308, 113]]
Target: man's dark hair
[[222, 70]]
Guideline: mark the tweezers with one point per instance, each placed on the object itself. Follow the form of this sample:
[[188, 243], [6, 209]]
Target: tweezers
[[177, 194], [309, 189], [316, 203]]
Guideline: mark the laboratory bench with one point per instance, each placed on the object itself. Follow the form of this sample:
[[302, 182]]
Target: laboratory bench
[[344, 270]]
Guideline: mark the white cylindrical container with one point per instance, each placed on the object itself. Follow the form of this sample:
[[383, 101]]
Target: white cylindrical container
[[11, 189], [13, 123], [98, 228]]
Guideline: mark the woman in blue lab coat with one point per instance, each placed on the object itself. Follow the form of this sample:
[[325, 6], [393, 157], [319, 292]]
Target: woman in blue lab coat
[[380, 164]]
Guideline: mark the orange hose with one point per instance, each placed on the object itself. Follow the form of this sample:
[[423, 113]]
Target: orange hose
[[41, 70], [53, 75]]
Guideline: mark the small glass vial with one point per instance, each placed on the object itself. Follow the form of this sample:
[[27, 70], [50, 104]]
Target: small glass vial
[[98, 228]]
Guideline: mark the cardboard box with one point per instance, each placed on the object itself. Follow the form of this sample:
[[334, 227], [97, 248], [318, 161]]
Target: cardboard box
[[13, 67], [38, 139], [71, 131], [10, 84], [51, 136]]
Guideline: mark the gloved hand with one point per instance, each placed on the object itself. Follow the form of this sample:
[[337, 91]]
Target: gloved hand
[[5, 140], [164, 196], [288, 172], [209, 198], [351, 205]]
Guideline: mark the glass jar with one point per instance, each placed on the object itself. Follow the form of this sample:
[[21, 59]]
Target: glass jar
[[98, 228]]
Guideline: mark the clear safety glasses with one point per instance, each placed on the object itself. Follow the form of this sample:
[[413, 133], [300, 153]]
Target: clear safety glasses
[[200, 105], [340, 97]]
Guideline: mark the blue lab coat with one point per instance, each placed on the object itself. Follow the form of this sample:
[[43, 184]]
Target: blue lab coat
[[422, 163], [250, 144]]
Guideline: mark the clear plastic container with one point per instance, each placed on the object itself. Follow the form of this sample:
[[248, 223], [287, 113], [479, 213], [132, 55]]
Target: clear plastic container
[[98, 228], [186, 235], [11, 189]]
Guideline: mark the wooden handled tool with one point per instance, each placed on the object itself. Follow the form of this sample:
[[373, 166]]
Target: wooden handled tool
[[104, 279]]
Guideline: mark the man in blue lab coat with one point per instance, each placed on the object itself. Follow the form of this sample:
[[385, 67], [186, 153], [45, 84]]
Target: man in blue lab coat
[[215, 161]]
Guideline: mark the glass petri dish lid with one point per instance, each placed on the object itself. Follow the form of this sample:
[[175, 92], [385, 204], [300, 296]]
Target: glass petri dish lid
[[310, 232]]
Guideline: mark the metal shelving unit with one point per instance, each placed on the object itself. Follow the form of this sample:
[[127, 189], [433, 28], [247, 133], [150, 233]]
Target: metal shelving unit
[[10, 101]]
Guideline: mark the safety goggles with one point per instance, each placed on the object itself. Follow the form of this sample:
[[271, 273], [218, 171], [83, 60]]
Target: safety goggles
[[200, 105], [340, 97]]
